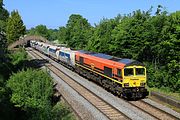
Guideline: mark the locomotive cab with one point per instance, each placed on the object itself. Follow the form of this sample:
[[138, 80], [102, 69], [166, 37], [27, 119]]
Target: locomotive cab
[[134, 82]]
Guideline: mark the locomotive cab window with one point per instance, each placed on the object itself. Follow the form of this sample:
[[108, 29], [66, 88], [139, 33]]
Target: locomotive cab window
[[140, 71], [128, 72], [119, 73]]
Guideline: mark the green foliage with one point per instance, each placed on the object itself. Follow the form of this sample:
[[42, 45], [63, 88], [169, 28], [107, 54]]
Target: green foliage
[[2, 26], [62, 34], [3, 47], [100, 40], [32, 91], [4, 14], [53, 34], [3, 41], [130, 35], [40, 30], [3, 52], [2, 88], [61, 112], [15, 27], [18, 56], [167, 52], [77, 31]]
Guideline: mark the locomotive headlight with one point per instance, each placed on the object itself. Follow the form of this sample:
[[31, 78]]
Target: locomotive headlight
[[126, 84]]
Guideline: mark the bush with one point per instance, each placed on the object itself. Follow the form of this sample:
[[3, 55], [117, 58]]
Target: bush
[[163, 78], [18, 56], [32, 91], [61, 112]]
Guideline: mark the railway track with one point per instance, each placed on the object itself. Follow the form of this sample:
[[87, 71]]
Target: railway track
[[104, 107], [108, 110], [62, 97], [154, 111]]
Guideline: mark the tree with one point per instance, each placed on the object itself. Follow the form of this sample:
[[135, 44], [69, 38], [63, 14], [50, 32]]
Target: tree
[[169, 47], [62, 34], [120, 41], [32, 91], [77, 30], [3, 47], [169, 51], [4, 14], [53, 34], [40, 30], [15, 27], [131, 36], [3, 50], [100, 40], [3, 41], [6, 108]]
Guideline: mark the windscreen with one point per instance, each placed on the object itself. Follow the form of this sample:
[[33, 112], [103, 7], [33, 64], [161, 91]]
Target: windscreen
[[140, 71], [128, 72]]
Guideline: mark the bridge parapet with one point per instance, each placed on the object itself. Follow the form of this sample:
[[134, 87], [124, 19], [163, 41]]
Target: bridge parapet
[[27, 38]]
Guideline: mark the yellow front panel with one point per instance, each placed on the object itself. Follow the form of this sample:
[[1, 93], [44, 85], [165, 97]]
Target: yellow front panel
[[133, 79]]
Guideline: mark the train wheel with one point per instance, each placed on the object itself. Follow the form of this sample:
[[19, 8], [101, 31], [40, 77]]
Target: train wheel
[[98, 78], [111, 86], [92, 77], [77, 69], [118, 90], [89, 75], [114, 87], [84, 73], [106, 84]]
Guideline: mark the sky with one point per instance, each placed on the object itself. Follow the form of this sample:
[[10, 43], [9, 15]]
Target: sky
[[55, 13]]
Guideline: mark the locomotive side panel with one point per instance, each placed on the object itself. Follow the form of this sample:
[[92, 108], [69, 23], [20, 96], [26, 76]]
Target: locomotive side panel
[[67, 56], [45, 48], [52, 51]]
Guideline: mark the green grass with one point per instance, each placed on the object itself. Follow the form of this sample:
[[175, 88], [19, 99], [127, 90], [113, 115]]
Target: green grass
[[166, 92]]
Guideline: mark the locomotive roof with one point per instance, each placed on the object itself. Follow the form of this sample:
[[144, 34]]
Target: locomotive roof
[[52, 47], [125, 61]]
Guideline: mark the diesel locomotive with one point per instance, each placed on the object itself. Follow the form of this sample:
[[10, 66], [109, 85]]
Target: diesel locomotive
[[124, 77]]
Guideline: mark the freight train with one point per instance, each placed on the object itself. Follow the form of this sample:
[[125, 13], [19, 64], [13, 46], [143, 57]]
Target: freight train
[[123, 77]]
